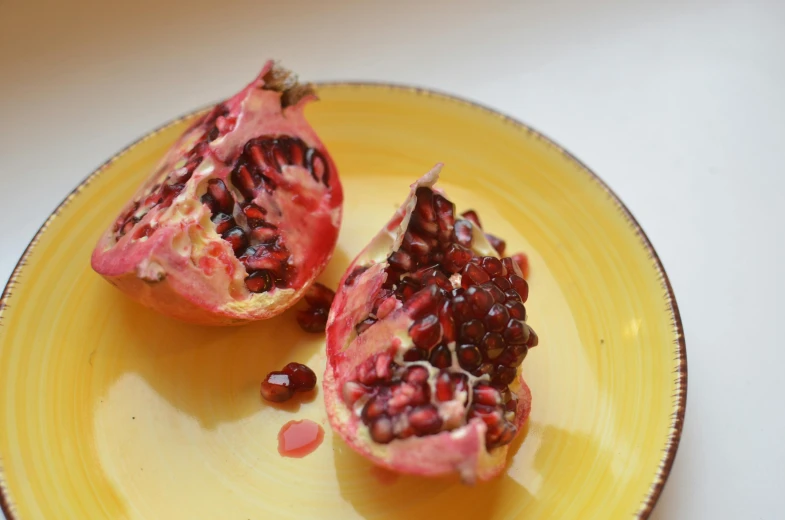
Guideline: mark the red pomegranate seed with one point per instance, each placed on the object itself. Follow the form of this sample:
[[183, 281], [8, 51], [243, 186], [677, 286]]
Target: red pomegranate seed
[[223, 199], [415, 354], [401, 260], [318, 295], [441, 357], [277, 387], [497, 294], [491, 415], [511, 405], [493, 266], [480, 300], [469, 356], [516, 310], [497, 243], [497, 318], [522, 261], [463, 233], [415, 244], [312, 319], [510, 267], [416, 374], [426, 332], [264, 258], [237, 239], [375, 407], [492, 344], [423, 302], [504, 375], [533, 340], [443, 387], [460, 385], [381, 430], [471, 216], [447, 322], [424, 207], [445, 217], [512, 295], [473, 275], [520, 285], [425, 420], [456, 257], [502, 283], [516, 332], [407, 288], [259, 282], [461, 308], [487, 395], [472, 331], [254, 214], [223, 222], [514, 355], [301, 377]]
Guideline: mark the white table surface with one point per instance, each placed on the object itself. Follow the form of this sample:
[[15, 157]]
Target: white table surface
[[679, 106]]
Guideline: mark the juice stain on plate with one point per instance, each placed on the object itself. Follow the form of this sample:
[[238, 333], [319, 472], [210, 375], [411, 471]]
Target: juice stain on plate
[[299, 438]]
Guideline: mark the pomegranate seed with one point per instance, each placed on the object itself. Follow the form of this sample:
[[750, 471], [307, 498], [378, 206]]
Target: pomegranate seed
[[520, 285], [487, 395], [277, 387], [401, 260], [514, 355], [301, 377], [504, 375], [243, 180], [426, 332], [512, 295], [237, 239], [445, 217], [510, 267], [415, 354], [516, 310], [264, 258], [516, 332], [223, 199], [265, 233], [491, 415], [522, 261], [480, 300], [425, 420], [223, 222], [415, 244], [443, 387], [497, 243], [485, 369], [502, 283], [407, 288], [318, 295], [352, 391], [381, 430], [254, 215], [463, 233], [461, 308], [447, 322], [416, 374], [423, 302], [511, 405], [497, 318], [259, 282], [456, 257], [497, 295], [375, 407], [473, 275], [472, 331], [492, 344], [533, 340], [424, 207], [441, 357], [472, 217], [469, 356], [421, 394], [493, 266], [312, 319]]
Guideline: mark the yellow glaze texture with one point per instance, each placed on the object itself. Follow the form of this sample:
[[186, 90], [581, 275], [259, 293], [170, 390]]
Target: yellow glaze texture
[[108, 410]]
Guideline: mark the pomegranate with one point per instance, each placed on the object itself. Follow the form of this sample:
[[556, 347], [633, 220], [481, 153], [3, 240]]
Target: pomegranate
[[319, 299], [237, 219], [424, 340]]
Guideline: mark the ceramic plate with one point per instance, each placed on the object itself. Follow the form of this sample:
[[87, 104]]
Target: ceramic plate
[[108, 410]]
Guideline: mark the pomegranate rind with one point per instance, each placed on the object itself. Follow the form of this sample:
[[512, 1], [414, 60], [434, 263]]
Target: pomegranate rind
[[461, 450], [185, 269]]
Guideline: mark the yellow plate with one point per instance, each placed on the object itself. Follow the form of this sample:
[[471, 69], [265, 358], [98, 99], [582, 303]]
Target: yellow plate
[[108, 410]]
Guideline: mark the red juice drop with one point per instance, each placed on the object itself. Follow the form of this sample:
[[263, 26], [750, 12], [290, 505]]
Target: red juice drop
[[299, 438]]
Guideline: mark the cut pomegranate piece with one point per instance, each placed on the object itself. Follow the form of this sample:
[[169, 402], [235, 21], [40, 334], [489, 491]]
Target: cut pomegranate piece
[[237, 219], [424, 345]]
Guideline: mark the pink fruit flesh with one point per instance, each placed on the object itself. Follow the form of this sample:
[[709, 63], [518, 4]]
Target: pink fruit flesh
[[237, 219], [424, 340]]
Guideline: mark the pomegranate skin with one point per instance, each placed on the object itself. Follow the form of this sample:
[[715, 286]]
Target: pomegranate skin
[[170, 254], [460, 450]]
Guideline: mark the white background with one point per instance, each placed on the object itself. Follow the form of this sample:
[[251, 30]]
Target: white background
[[679, 106]]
